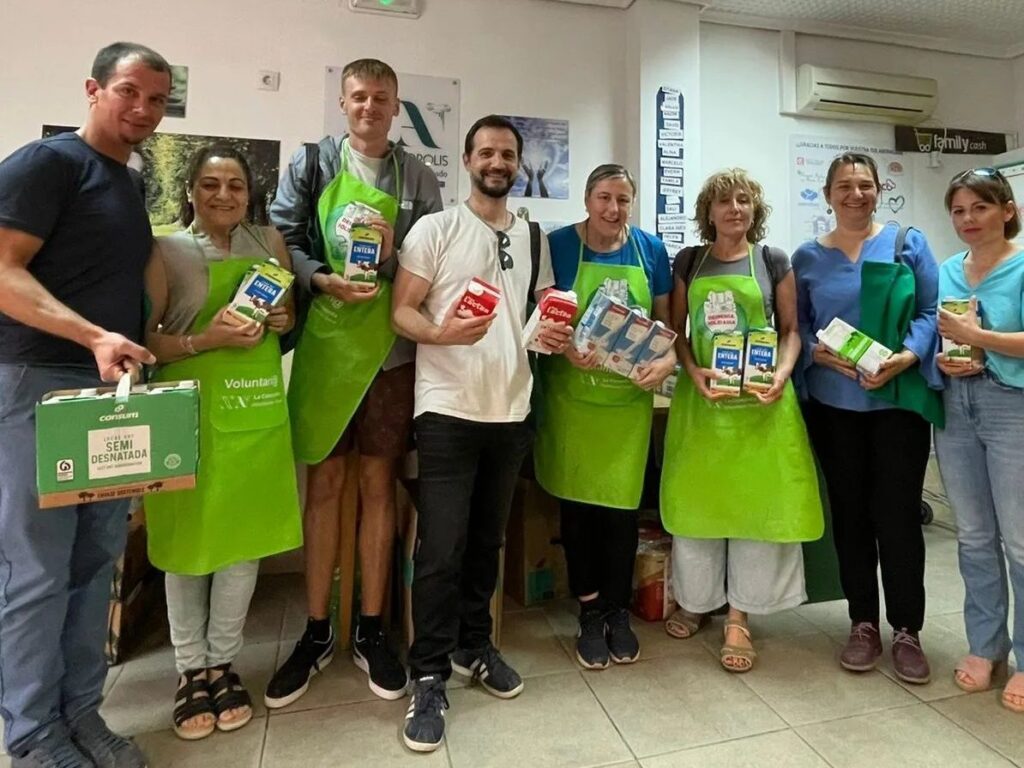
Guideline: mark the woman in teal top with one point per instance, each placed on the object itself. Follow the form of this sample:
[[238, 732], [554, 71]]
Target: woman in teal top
[[981, 450]]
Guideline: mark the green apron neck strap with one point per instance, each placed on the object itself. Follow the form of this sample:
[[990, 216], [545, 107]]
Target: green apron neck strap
[[346, 151], [707, 251], [629, 239]]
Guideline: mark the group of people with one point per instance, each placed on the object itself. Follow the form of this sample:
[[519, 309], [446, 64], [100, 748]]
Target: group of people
[[91, 296]]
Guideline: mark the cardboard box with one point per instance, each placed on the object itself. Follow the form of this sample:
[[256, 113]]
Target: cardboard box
[[653, 599], [264, 287], [762, 360], [847, 342], [99, 444], [535, 567], [136, 593], [727, 359]]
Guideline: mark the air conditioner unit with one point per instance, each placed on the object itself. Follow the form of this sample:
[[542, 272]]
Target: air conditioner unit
[[406, 9], [845, 94]]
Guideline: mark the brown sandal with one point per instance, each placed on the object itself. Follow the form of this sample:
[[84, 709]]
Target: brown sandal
[[746, 656], [682, 624]]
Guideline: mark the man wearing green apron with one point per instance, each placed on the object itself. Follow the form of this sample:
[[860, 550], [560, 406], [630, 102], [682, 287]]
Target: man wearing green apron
[[352, 378], [473, 385]]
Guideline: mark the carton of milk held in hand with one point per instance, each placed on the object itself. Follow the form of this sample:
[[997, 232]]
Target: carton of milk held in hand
[[263, 288], [623, 351], [762, 360], [657, 344], [600, 325], [554, 307], [478, 300], [727, 361], [845, 341], [958, 354], [364, 252]]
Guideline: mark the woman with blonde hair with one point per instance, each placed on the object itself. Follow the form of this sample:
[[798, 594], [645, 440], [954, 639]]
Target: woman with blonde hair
[[738, 489]]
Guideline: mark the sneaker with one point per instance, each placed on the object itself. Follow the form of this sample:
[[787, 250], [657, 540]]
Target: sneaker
[[591, 646], [292, 679], [53, 753], [385, 674], [908, 659], [424, 720], [493, 672], [623, 645], [102, 746], [863, 648]]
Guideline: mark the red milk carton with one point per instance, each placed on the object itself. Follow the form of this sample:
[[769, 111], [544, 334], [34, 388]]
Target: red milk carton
[[479, 299], [555, 307]]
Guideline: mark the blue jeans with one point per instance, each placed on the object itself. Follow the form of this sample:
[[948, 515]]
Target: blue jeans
[[981, 457], [55, 571]]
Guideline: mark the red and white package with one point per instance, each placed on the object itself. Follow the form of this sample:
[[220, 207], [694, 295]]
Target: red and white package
[[555, 307], [480, 299]]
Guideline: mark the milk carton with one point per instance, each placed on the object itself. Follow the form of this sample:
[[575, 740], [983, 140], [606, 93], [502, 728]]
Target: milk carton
[[657, 344], [479, 299], [364, 251], [600, 324], [762, 360], [554, 307], [847, 342], [959, 354], [263, 288], [727, 360], [623, 350], [668, 386]]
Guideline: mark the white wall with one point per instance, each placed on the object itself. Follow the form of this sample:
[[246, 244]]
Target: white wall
[[525, 57], [741, 125]]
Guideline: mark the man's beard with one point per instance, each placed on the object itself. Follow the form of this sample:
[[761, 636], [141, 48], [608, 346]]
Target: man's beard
[[496, 192]]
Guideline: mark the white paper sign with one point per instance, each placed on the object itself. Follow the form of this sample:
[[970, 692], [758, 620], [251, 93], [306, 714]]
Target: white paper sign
[[118, 452]]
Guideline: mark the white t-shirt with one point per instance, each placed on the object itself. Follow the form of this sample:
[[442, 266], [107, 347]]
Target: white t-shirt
[[489, 381], [363, 167]]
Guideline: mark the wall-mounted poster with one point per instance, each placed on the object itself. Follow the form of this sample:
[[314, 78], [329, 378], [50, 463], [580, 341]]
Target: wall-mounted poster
[[671, 222], [162, 159], [427, 124], [810, 157], [544, 166], [178, 100]]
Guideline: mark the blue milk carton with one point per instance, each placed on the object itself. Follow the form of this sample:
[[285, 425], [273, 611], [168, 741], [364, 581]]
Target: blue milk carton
[[600, 325]]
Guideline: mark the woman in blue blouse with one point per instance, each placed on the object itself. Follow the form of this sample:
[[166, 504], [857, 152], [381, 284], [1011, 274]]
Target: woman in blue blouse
[[873, 455], [981, 450]]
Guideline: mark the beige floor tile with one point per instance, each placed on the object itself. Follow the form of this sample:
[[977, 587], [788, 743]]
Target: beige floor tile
[[783, 749], [142, 699], [556, 722], [802, 681], [832, 618], [672, 703], [240, 749], [352, 736], [911, 736], [982, 715], [530, 645]]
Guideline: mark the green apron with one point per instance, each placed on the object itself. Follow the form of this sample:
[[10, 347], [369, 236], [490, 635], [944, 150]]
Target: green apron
[[246, 503], [342, 346], [594, 427], [888, 303], [736, 469]]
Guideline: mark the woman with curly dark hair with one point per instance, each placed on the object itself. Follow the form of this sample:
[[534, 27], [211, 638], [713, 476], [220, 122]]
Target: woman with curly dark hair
[[738, 491]]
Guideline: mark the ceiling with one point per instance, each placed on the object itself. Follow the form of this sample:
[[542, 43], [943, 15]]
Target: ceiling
[[981, 27]]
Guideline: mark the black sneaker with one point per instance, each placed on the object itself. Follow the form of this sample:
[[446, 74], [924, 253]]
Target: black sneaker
[[104, 747], [292, 679], [385, 674], [424, 720], [53, 753], [591, 646], [493, 672], [623, 645]]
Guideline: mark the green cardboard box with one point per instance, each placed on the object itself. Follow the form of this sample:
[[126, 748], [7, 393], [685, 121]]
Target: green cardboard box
[[111, 443]]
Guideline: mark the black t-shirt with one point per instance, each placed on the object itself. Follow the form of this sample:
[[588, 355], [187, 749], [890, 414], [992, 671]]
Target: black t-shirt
[[96, 236]]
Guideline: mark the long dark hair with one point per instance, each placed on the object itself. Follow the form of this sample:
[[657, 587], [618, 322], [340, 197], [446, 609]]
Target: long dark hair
[[186, 213]]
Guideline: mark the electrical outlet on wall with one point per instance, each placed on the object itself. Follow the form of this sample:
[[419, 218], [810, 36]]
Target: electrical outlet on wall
[[269, 80]]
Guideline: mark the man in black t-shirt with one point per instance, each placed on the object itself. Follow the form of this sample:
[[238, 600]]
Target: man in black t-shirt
[[74, 240]]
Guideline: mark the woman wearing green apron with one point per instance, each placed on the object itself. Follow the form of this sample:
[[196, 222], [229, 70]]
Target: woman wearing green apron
[[738, 488], [593, 426], [245, 505]]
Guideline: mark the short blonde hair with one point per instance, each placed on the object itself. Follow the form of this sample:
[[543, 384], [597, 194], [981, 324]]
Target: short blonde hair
[[368, 69], [717, 186]]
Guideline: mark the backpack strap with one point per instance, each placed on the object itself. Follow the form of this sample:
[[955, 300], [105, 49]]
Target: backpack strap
[[534, 257], [901, 238], [691, 270]]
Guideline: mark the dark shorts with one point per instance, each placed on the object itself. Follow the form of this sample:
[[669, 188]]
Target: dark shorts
[[382, 424]]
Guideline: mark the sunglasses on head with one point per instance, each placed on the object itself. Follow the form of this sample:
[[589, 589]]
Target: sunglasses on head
[[989, 173], [504, 258]]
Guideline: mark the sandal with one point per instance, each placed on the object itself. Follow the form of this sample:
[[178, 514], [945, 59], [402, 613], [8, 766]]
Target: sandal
[[1014, 688], [228, 693], [975, 674], [192, 699], [735, 653], [683, 624]]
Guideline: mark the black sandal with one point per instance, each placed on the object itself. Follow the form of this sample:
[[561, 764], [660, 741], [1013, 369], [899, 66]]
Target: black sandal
[[229, 693], [192, 699]]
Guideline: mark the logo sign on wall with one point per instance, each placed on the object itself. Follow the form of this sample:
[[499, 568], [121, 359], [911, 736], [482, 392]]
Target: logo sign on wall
[[427, 124], [950, 141]]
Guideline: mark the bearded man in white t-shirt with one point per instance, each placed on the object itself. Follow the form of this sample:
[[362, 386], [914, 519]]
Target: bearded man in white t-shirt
[[473, 386]]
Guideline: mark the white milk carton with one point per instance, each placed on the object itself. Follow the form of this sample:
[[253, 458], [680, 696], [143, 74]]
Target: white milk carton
[[727, 361], [762, 360], [600, 325], [657, 344], [845, 341], [623, 351]]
